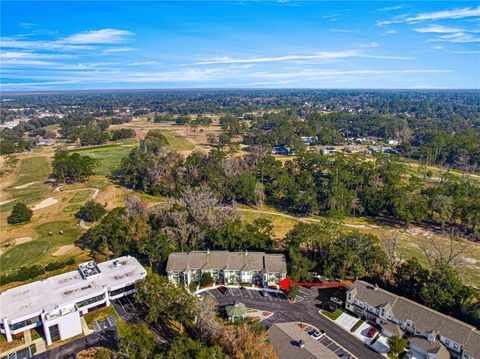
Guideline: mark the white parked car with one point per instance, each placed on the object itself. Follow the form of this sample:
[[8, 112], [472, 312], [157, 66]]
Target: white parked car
[[336, 300], [318, 335]]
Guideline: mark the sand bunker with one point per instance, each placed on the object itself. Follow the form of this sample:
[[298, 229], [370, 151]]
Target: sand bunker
[[25, 185], [22, 240], [5, 202], [45, 203], [63, 250]]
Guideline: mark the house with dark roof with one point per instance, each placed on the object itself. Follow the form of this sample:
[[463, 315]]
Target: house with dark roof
[[421, 324], [289, 341], [227, 267]]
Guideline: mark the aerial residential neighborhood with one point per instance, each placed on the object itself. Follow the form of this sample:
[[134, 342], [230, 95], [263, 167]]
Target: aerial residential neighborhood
[[275, 179]]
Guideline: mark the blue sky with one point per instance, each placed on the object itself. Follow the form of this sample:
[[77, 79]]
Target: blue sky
[[251, 44]]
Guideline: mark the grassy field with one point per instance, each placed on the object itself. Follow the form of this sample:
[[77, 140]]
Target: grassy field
[[29, 186], [80, 196], [35, 250], [109, 156], [178, 142]]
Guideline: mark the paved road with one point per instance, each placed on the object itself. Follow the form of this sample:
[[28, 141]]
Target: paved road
[[107, 338], [305, 311]]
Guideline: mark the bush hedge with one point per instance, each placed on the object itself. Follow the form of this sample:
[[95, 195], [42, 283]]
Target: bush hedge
[[33, 271]]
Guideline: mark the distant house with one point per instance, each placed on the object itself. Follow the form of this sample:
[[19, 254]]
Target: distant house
[[46, 142], [351, 149], [393, 142], [282, 150], [308, 140], [427, 329], [227, 267]]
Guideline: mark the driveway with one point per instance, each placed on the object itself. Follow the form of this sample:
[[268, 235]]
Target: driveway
[[305, 311], [346, 321], [381, 345], [362, 332]]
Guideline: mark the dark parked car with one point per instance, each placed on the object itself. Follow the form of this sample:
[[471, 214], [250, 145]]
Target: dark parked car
[[223, 290]]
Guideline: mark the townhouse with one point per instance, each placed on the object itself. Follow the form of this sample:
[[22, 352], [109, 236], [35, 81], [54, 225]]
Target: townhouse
[[426, 329], [57, 303], [227, 267]]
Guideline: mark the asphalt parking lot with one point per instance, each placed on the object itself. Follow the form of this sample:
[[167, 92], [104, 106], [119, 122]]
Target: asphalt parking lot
[[331, 345], [304, 310], [253, 294]]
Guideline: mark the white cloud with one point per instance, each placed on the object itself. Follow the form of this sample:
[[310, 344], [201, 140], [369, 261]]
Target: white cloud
[[27, 25], [471, 52], [436, 15], [142, 63], [438, 29], [323, 55], [370, 44], [118, 49], [104, 36], [458, 37], [12, 43], [30, 55], [77, 42]]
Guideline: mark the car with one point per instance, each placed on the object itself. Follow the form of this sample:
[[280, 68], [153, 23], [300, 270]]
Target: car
[[317, 335], [336, 300], [311, 331], [371, 332], [223, 290]]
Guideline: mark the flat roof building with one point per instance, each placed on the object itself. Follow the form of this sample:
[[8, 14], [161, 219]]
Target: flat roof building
[[56, 303], [227, 267]]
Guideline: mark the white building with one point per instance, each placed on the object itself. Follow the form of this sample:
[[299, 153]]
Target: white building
[[426, 328], [227, 267], [56, 303]]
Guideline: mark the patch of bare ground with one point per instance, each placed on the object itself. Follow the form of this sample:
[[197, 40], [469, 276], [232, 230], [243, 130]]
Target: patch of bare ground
[[45, 203], [61, 251], [26, 185], [22, 240]]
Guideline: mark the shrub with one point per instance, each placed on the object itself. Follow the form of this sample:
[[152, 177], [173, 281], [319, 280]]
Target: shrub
[[292, 292], [397, 344], [91, 211], [20, 214], [206, 279]]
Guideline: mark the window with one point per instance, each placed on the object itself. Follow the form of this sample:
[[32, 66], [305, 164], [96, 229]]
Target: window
[[54, 333], [121, 290], [85, 302], [25, 323]]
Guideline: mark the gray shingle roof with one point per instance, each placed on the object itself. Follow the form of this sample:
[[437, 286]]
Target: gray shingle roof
[[472, 346], [284, 338], [435, 347], [425, 319], [241, 261], [366, 292]]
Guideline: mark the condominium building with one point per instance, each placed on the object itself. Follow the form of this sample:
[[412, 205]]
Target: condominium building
[[57, 303], [427, 330], [227, 267]]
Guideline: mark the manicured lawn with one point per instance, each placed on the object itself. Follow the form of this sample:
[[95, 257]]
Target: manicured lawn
[[31, 169], [80, 196], [31, 252], [178, 142], [332, 316], [72, 208], [24, 254], [109, 156], [357, 325]]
